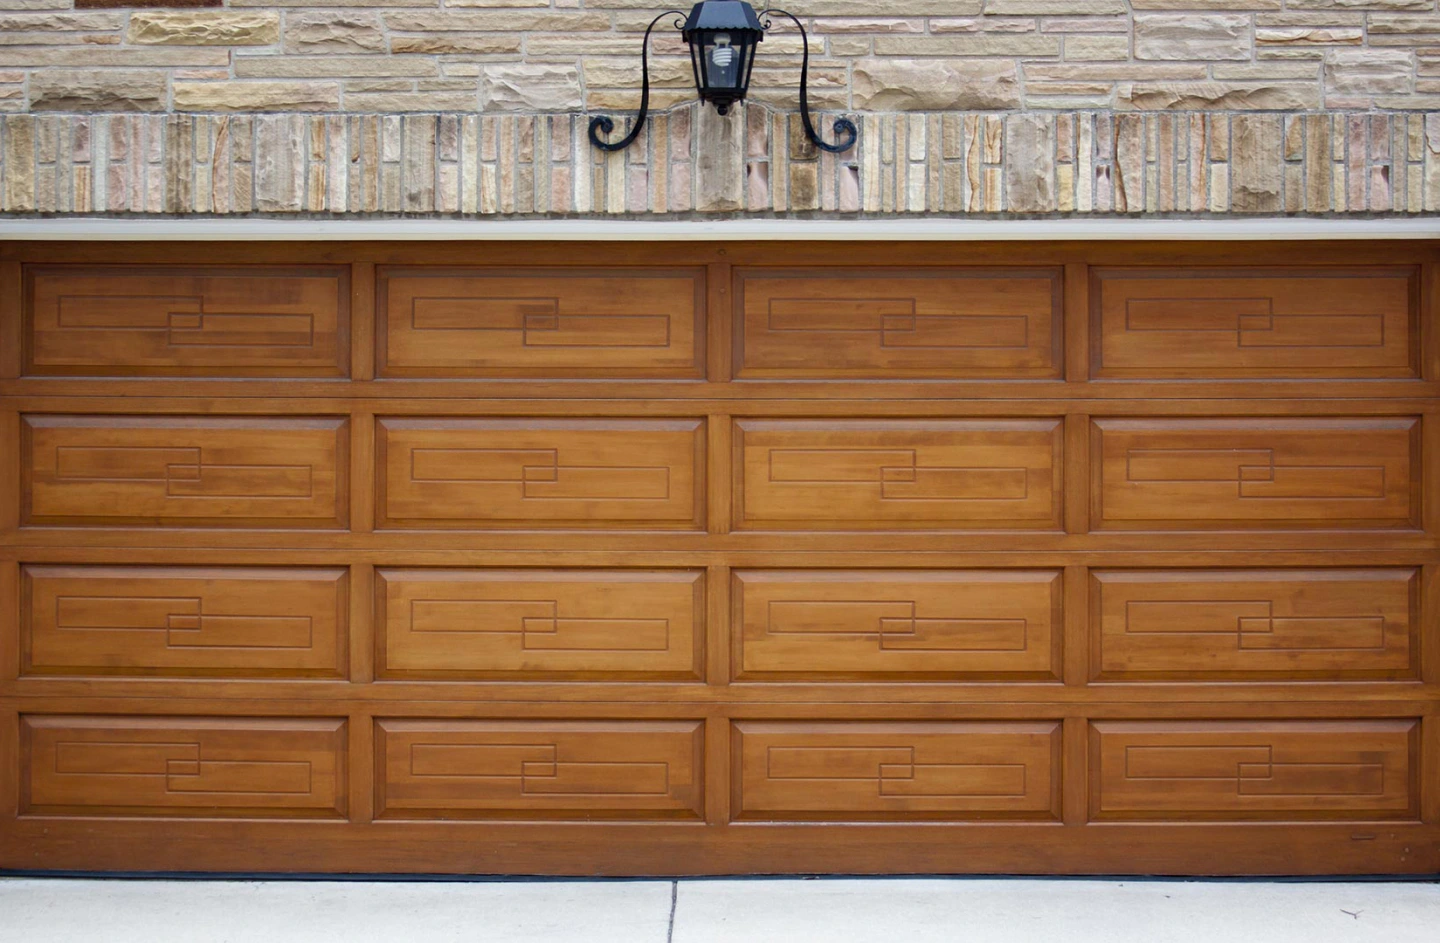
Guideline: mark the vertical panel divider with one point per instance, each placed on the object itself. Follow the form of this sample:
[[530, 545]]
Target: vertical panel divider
[[1075, 465], [9, 623], [1077, 322], [718, 480], [718, 774], [362, 471], [1430, 322], [10, 459], [1430, 626], [1429, 773], [1077, 629], [719, 321], [11, 762], [1075, 775], [11, 304], [362, 623], [362, 321], [718, 627], [361, 773]]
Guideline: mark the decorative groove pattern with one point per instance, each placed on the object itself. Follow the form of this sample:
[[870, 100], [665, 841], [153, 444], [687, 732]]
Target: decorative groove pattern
[[1197, 322], [1276, 623], [910, 474], [187, 321], [183, 621], [1213, 473], [1254, 769], [539, 769], [950, 323], [231, 472], [177, 766], [897, 624], [895, 771], [541, 322], [541, 624], [582, 473]]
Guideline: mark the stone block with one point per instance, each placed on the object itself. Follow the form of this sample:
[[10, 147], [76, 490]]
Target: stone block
[[928, 85], [341, 32], [257, 96], [1191, 36], [97, 90], [203, 28], [529, 87]]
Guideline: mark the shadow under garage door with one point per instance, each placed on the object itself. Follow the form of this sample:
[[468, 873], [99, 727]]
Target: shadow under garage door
[[690, 558]]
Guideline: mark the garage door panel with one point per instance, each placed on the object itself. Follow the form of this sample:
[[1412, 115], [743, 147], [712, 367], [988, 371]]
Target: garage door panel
[[816, 771], [1196, 322], [184, 621], [898, 625], [542, 322], [898, 474], [178, 766], [1255, 770], [1257, 473], [184, 471], [445, 769], [1329, 624], [951, 323], [507, 473], [187, 321], [553, 624]]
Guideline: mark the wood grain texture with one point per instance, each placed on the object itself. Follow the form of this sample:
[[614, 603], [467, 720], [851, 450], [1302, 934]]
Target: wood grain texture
[[542, 322], [1256, 322], [187, 321], [579, 770], [1256, 473], [901, 598], [878, 771], [582, 473], [1281, 624], [195, 471], [1254, 770], [184, 622], [182, 766], [845, 321], [898, 625], [898, 474], [557, 624]]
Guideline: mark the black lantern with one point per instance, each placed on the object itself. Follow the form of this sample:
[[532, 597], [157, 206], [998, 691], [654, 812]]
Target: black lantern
[[722, 35]]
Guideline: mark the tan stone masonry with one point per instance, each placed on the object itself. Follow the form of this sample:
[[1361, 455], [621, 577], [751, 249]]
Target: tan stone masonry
[[692, 162]]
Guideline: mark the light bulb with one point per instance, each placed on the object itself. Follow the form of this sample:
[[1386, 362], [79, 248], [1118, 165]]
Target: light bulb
[[723, 54]]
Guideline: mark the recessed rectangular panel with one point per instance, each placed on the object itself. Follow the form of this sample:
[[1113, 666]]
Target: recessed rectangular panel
[[897, 625], [210, 767], [1306, 322], [183, 621], [941, 323], [184, 471], [228, 321], [1256, 473], [1254, 770], [897, 474], [561, 624], [476, 769], [542, 322], [895, 771], [1255, 624], [553, 473]]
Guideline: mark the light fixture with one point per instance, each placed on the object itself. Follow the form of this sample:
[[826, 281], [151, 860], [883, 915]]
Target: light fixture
[[722, 35]]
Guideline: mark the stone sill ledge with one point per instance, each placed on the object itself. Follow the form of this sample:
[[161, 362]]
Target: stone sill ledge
[[691, 161]]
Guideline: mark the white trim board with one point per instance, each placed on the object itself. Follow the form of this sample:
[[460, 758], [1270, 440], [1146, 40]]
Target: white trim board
[[639, 230]]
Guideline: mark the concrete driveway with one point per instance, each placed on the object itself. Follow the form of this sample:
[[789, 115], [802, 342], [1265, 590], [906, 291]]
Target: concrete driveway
[[754, 911]]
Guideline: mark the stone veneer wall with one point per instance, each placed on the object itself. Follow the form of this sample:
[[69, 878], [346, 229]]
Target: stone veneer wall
[[690, 160], [389, 56]]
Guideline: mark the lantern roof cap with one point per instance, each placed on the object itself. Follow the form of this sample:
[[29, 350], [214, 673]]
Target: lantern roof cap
[[722, 15]]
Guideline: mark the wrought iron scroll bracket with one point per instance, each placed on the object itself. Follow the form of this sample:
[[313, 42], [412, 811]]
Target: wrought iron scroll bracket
[[846, 133], [604, 124]]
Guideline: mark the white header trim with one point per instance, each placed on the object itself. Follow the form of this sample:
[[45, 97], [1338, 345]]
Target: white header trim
[[253, 229]]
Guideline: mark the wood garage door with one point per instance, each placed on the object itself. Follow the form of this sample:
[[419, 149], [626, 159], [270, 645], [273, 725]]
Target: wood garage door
[[642, 559]]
